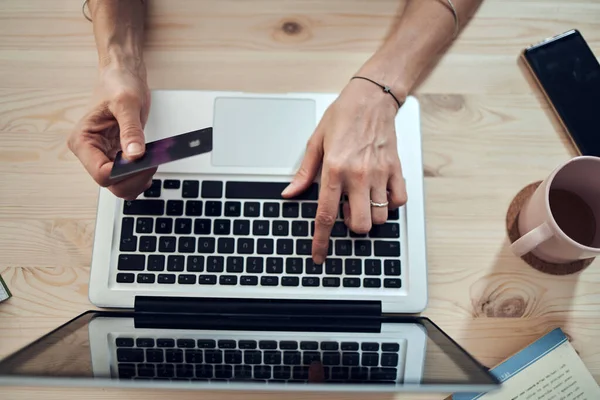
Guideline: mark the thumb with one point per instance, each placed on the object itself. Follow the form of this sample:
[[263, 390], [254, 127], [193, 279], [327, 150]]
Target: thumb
[[308, 169], [131, 132]]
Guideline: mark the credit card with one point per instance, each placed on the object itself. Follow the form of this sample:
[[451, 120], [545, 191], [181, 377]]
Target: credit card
[[165, 151]]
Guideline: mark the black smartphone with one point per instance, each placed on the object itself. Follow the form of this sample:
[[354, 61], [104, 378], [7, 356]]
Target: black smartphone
[[568, 73]]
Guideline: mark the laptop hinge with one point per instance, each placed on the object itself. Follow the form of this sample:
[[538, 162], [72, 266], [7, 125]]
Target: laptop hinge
[[257, 314]]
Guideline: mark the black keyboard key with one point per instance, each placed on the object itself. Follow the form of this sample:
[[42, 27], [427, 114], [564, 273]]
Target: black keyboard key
[[204, 371], [288, 345], [254, 265], [340, 373], [175, 207], [388, 230], [370, 359], [164, 225], [126, 371], [127, 227], [124, 342], [387, 248], [171, 184], [281, 228], [146, 370], [269, 281], [165, 370], [390, 347], [206, 245], [241, 227], [202, 226], [329, 345], [343, 248], [290, 281], [262, 372], [145, 278], [274, 265], [144, 207], [350, 359], [186, 279], [227, 344], [264, 246], [349, 346], [369, 346], [165, 342], [285, 246], [392, 283], [125, 278], [156, 263], [130, 355], [391, 267], [167, 244], [187, 244], [147, 244], [213, 208], [309, 345], [281, 372], [215, 264], [144, 225], [292, 357], [265, 190], [309, 210], [331, 358], [353, 266], [144, 342], [154, 189], [290, 210], [131, 262], [351, 282], [293, 265], [228, 280], [184, 371], [393, 215], [232, 356], [247, 344], [213, 356], [389, 359], [304, 247], [312, 268], [372, 282], [384, 374], [311, 281], [222, 227], [245, 246], [308, 357], [166, 278], [362, 248], [331, 282], [190, 189], [242, 372], [300, 373], [359, 374], [207, 279], [300, 228], [212, 189], [226, 246], [233, 209], [339, 229], [260, 228], [235, 264], [251, 209], [252, 357], [193, 208], [186, 343], [128, 243], [249, 280], [333, 266], [195, 263], [207, 344], [373, 267], [175, 263], [272, 357]]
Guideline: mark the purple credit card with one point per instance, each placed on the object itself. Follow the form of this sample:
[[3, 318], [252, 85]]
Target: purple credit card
[[164, 151]]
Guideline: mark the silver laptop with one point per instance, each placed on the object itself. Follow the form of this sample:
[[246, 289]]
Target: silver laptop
[[215, 225]]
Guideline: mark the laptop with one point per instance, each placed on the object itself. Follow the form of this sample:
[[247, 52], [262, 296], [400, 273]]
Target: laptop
[[215, 225]]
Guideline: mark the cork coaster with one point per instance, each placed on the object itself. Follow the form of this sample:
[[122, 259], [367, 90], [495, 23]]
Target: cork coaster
[[513, 234]]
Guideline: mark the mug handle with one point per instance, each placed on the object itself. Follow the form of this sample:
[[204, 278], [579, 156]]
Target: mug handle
[[531, 240]]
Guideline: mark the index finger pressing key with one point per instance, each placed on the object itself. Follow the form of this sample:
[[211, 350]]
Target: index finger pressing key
[[329, 200]]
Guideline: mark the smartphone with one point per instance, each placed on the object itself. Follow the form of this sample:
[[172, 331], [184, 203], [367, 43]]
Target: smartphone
[[568, 73]]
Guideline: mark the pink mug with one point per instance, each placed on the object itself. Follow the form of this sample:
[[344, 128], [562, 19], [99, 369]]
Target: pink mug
[[560, 222]]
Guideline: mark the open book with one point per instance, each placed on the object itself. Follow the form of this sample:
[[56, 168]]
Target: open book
[[547, 369]]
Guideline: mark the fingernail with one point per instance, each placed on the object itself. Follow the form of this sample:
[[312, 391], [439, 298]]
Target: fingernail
[[134, 149], [288, 189]]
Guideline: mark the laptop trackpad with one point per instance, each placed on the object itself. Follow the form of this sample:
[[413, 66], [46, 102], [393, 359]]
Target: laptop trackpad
[[261, 132]]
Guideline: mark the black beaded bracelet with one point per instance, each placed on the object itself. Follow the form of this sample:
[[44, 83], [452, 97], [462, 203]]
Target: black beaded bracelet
[[386, 89]]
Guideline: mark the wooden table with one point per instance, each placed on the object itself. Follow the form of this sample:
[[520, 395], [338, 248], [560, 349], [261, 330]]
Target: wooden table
[[487, 133]]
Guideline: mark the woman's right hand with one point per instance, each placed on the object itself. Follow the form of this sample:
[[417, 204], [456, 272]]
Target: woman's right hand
[[115, 120]]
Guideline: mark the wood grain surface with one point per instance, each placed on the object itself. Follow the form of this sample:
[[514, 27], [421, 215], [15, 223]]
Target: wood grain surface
[[486, 131]]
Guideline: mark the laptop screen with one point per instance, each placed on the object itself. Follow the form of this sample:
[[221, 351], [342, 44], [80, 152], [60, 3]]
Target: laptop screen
[[122, 349]]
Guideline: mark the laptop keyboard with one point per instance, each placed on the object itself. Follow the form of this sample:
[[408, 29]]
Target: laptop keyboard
[[190, 232], [255, 360]]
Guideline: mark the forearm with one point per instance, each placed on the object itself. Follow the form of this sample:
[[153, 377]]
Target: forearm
[[118, 31], [424, 30]]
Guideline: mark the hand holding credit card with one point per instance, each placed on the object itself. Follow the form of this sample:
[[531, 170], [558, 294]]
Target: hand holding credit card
[[164, 151]]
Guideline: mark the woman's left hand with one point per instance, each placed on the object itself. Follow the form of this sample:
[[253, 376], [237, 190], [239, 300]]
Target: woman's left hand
[[355, 144]]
